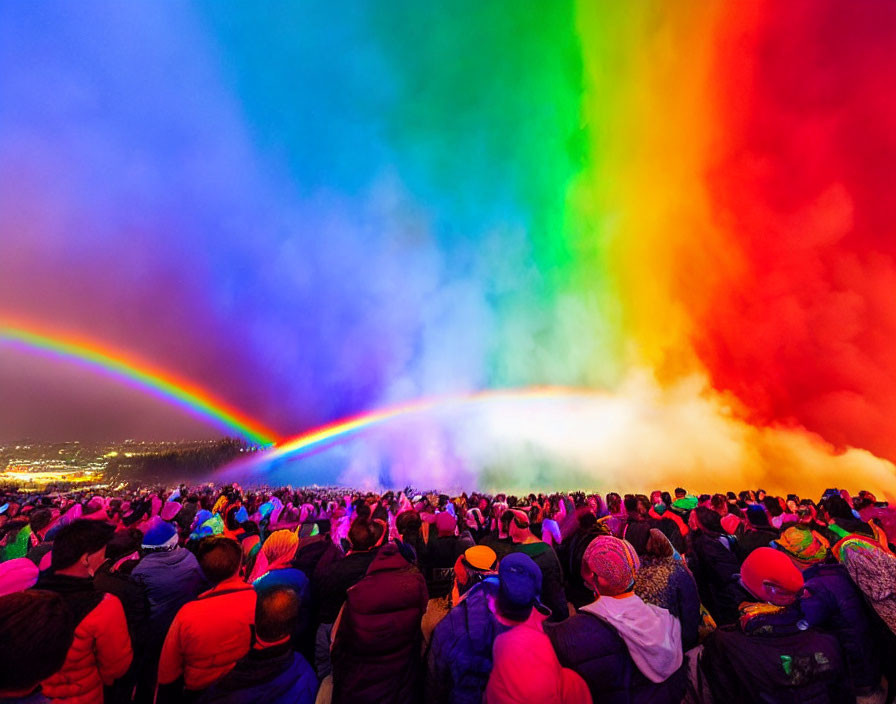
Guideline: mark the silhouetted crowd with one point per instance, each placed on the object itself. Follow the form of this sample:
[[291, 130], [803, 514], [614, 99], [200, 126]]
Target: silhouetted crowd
[[223, 595]]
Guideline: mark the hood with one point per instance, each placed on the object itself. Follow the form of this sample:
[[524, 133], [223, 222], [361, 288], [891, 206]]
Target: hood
[[651, 634]]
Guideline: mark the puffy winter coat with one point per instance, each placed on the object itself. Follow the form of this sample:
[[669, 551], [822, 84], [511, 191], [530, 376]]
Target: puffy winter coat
[[376, 645], [460, 656], [798, 667], [169, 580], [209, 635], [101, 651], [597, 652], [330, 585], [274, 675], [833, 603]]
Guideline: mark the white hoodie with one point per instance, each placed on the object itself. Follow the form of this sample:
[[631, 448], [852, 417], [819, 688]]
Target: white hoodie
[[651, 634]]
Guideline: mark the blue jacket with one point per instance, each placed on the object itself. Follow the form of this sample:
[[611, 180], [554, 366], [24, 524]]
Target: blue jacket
[[597, 652], [275, 675], [169, 579], [833, 603], [460, 656]]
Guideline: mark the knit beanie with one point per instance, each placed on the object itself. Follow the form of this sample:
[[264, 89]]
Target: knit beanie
[[730, 523], [767, 565], [614, 564], [170, 510]]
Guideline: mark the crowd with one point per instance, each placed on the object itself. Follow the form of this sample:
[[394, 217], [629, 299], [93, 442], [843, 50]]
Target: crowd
[[219, 594]]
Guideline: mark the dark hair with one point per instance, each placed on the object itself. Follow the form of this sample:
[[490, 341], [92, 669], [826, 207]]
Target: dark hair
[[250, 528], [36, 629], [40, 519], [667, 498], [124, 543], [709, 519], [718, 502], [837, 507], [773, 506], [631, 503], [408, 523], [276, 613], [757, 517], [219, 558], [680, 490], [83, 536], [364, 535]]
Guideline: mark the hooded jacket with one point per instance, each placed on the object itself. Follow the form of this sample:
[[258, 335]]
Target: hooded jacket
[[552, 593], [101, 650], [460, 656], [169, 579], [526, 669], [667, 583], [376, 645], [590, 644], [273, 675]]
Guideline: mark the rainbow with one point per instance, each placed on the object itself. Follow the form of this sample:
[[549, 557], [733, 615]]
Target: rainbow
[[339, 430], [139, 375]]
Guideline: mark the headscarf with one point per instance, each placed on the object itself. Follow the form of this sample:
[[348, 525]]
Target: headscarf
[[280, 548]]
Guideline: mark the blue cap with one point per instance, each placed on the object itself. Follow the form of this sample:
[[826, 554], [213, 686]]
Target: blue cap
[[519, 586], [242, 515], [162, 535]]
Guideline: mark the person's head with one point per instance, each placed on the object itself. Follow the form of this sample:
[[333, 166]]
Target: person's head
[[219, 558], [773, 506], [40, 520], [280, 547], [124, 543], [408, 524], [709, 520], [80, 547], [680, 493], [760, 495], [803, 545], [770, 575], [364, 535], [609, 566], [519, 526], [836, 507], [757, 517], [656, 496], [160, 536], [446, 524], [276, 614], [518, 590], [667, 498], [658, 545], [719, 504], [614, 502], [36, 631], [476, 563]]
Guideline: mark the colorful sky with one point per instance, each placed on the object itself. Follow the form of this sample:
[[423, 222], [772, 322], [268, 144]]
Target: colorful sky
[[314, 209]]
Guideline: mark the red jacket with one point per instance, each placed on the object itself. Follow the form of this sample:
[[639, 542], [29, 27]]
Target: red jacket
[[99, 655], [209, 635]]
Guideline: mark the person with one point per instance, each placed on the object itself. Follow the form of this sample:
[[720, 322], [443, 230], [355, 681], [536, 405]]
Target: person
[[524, 647], [168, 576], [831, 602], [377, 639], [554, 596], [209, 635], [36, 632], [637, 525], [625, 649], [769, 654], [272, 672], [442, 552], [101, 650], [280, 550], [459, 659], [666, 582], [715, 566], [333, 583], [499, 539]]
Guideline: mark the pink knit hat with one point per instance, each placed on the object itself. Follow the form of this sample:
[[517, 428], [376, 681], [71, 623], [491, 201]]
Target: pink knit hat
[[446, 523], [614, 564], [730, 523]]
